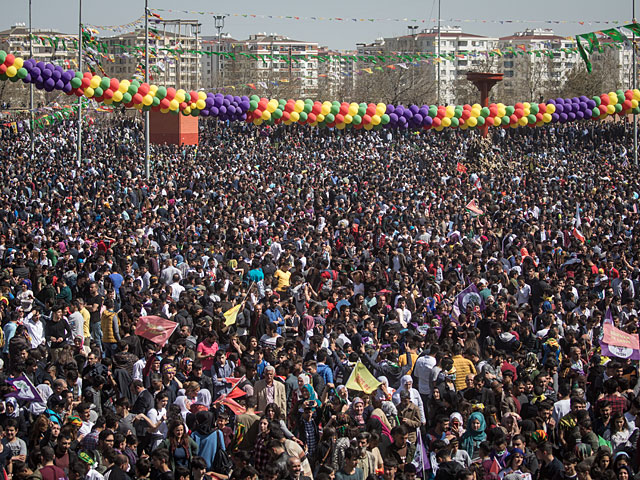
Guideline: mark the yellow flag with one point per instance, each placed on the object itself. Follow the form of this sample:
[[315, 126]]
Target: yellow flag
[[361, 379], [231, 315]]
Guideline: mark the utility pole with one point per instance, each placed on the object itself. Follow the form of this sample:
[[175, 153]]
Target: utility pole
[[219, 24], [147, 173], [439, 59], [31, 130], [635, 85], [79, 146], [412, 31]]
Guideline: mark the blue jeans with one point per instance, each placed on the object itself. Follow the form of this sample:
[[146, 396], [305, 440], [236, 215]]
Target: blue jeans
[[96, 333]]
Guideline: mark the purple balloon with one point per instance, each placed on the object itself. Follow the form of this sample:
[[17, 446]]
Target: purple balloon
[[217, 102], [414, 109], [579, 115], [583, 107], [236, 99], [244, 98], [39, 79], [46, 73], [424, 111], [399, 110], [59, 85], [393, 118], [214, 111], [223, 110], [228, 97], [40, 65], [245, 105], [67, 87], [575, 100], [39, 84], [35, 72], [231, 109], [50, 82], [427, 121], [408, 114], [204, 112], [560, 108], [588, 114], [27, 79], [571, 116], [551, 102], [243, 117], [417, 119], [591, 104], [390, 108], [48, 88], [226, 102], [563, 118], [583, 98], [559, 101], [555, 117]]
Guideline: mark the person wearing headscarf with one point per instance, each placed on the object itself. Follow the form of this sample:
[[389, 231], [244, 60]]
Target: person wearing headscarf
[[208, 439], [474, 435], [509, 423], [185, 405], [343, 394], [202, 401], [456, 424], [406, 383]]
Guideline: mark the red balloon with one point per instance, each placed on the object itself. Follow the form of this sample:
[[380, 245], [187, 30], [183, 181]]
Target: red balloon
[[493, 110], [519, 105], [626, 105], [466, 107], [286, 116], [339, 118], [86, 82], [9, 59], [538, 117], [519, 112], [262, 104], [70, 92], [628, 95], [316, 109], [371, 110], [99, 99], [171, 93], [513, 119], [78, 91], [194, 96], [465, 114], [183, 105], [602, 108], [288, 107], [311, 117], [359, 126], [156, 108], [164, 103], [442, 112], [3, 69], [604, 99], [87, 75], [108, 93], [137, 99], [114, 84], [436, 122], [542, 107], [366, 119], [128, 105], [332, 124], [344, 109]]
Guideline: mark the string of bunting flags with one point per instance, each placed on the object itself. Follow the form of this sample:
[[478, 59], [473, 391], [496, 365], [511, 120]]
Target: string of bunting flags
[[614, 35], [387, 19], [341, 115]]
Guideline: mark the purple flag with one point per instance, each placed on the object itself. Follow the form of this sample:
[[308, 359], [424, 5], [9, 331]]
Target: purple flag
[[619, 352], [608, 316], [469, 297], [24, 389], [421, 457]]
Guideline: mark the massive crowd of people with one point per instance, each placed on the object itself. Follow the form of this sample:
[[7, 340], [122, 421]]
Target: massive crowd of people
[[339, 248]]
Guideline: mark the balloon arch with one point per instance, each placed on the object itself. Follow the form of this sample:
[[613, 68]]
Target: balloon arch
[[341, 115]]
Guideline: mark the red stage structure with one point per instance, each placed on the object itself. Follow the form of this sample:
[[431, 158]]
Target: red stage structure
[[173, 129], [484, 82]]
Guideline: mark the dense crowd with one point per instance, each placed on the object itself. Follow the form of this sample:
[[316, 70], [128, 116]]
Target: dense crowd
[[341, 249]]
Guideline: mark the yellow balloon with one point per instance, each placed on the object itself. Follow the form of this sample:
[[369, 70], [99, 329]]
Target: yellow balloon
[[287, 122], [299, 106], [271, 107], [381, 108], [636, 94], [611, 109], [147, 100], [180, 96], [472, 121], [340, 126], [95, 81], [353, 109], [88, 92], [376, 120], [154, 88], [117, 96], [200, 104], [124, 86], [497, 121], [476, 106], [440, 128], [502, 112], [314, 124], [513, 125], [526, 105], [450, 111], [463, 126], [546, 117], [202, 95], [165, 110], [348, 119], [526, 112], [266, 115], [320, 118], [475, 112], [539, 124], [138, 106], [523, 121], [258, 121], [12, 71], [500, 105], [551, 109], [368, 126], [18, 63], [187, 111], [613, 99], [634, 103], [325, 109], [446, 122], [108, 101], [174, 105], [295, 116]]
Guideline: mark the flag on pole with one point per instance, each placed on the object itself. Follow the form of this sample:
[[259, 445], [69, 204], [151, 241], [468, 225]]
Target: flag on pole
[[235, 392], [231, 315], [470, 296], [156, 329], [473, 209], [608, 317], [461, 168], [578, 234], [362, 380], [230, 403], [24, 389], [577, 221], [421, 457]]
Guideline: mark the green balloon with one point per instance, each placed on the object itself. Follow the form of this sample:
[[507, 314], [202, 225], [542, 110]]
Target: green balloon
[[79, 75], [135, 82], [455, 122], [335, 108], [335, 102], [636, 110], [357, 119], [22, 73], [126, 98], [505, 120], [620, 92], [618, 107], [133, 89], [254, 98], [597, 100], [329, 117], [433, 111], [303, 116], [510, 110], [105, 83], [534, 108], [76, 82], [457, 113], [595, 112], [156, 102], [532, 118], [621, 98], [161, 92], [3, 56], [14, 79], [253, 104], [484, 113], [195, 112], [384, 119], [4, 77], [362, 109], [307, 108], [97, 92], [277, 113], [480, 121]]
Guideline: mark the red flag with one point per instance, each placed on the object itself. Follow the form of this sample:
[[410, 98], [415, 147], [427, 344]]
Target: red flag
[[495, 467], [461, 168], [235, 392], [156, 329], [578, 234], [234, 406]]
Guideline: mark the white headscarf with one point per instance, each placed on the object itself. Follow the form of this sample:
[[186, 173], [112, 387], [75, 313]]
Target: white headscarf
[[45, 392], [184, 404], [203, 398]]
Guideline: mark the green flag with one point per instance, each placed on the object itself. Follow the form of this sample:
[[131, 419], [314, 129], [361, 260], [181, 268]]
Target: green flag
[[615, 34], [634, 27]]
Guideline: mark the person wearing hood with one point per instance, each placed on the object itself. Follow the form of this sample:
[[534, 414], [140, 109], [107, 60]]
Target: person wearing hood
[[475, 434], [207, 438], [406, 385]]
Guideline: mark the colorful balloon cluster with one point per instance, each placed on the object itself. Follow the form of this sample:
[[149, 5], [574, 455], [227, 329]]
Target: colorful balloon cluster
[[143, 96]]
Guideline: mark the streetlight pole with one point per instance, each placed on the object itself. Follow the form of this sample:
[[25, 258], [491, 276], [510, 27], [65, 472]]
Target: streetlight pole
[[79, 146], [439, 59], [413, 29], [31, 130], [219, 24], [147, 172], [635, 85]]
